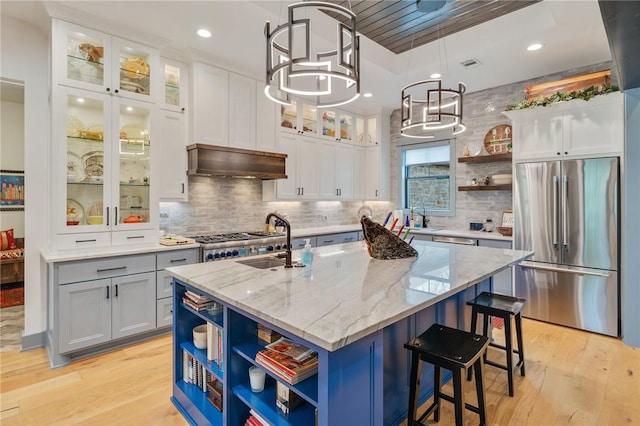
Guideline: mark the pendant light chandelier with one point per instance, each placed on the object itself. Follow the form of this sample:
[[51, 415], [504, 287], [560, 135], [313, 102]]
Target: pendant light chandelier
[[329, 77], [427, 108]]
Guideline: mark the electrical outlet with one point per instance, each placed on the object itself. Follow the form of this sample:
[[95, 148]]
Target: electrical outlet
[[164, 214]]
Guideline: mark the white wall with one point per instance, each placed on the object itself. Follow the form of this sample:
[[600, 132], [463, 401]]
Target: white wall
[[12, 156], [24, 57]]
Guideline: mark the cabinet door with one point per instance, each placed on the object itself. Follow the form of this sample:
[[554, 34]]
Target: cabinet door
[[164, 309], [242, 112], [81, 57], [136, 70], [288, 189], [266, 119], [84, 162], [133, 203], [210, 113], [133, 305], [173, 85], [594, 129], [327, 186], [84, 311], [537, 137], [328, 123], [359, 173], [373, 131], [344, 163], [372, 182], [172, 141], [345, 127], [308, 168], [308, 119]]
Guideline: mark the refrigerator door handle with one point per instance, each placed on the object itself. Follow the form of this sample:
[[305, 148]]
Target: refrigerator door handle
[[555, 212], [529, 265], [565, 214]]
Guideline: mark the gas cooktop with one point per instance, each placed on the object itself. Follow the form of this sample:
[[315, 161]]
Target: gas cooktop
[[235, 236]]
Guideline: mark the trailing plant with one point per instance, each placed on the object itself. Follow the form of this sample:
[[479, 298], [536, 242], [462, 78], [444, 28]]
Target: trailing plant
[[584, 94]]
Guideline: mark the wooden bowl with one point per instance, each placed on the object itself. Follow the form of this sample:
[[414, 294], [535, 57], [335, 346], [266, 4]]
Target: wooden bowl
[[505, 230]]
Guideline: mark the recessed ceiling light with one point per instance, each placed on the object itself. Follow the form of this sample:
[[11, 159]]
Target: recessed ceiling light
[[435, 75], [204, 33], [534, 46], [129, 108], [368, 95], [80, 100]]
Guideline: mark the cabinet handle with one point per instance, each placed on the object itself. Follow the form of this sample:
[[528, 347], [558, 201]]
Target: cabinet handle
[[327, 241], [86, 241], [107, 292], [178, 260], [376, 192], [116, 290], [348, 238], [183, 109], [107, 216], [115, 219], [111, 269], [183, 184], [135, 237], [108, 89], [302, 191]]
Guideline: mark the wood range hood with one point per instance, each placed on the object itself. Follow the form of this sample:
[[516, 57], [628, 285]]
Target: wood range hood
[[223, 161]]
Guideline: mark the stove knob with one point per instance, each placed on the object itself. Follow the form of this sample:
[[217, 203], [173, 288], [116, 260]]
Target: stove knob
[[235, 253], [222, 255], [269, 248], [284, 246], [210, 256], [217, 256], [277, 246], [229, 254]]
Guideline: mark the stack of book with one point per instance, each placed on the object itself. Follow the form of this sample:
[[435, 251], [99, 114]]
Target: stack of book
[[255, 420], [201, 303], [194, 372], [267, 335], [215, 338], [290, 361]]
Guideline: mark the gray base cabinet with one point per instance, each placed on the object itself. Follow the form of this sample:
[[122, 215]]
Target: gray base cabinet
[[98, 304]]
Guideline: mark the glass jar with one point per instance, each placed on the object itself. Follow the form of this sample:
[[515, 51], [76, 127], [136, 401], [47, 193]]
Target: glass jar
[[488, 225]]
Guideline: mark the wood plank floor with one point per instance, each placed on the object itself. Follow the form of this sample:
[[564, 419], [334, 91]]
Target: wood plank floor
[[573, 378]]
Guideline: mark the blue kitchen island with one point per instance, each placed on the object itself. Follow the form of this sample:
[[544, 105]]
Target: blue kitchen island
[[355, 311]]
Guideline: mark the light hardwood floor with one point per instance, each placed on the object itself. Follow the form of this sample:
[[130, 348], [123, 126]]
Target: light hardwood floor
[[573, 378]]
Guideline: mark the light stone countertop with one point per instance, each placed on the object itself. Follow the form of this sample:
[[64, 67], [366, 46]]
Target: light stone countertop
[[70, 255], [346, 294], [324, 230]]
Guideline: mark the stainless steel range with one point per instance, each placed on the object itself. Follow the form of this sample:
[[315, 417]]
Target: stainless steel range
[[239, 244]]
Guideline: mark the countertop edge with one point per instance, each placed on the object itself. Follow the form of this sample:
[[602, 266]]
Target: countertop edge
[[71, 255]]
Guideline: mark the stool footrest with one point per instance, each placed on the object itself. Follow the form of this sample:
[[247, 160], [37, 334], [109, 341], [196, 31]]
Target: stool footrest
[[504, 348], [453, 401]]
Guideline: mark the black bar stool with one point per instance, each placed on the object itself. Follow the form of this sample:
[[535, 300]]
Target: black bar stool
[[455, 350], [505, 307]]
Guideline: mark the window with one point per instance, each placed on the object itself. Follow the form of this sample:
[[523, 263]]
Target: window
[[429, 177]]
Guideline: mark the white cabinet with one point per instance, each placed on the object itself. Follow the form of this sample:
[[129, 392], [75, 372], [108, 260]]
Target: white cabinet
[[103, 171], [301, 167], [267, 115], [337, 125], [359, 173], [300, 118], [174, 82], [164, 282], [99, 62], [172, 142], [569, 129], [337, 171], [210, 97], [367, 130], [242, 112], [372, 174]]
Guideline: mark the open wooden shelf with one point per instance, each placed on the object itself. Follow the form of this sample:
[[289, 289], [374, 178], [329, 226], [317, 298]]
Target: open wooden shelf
[[486, 158], [505, 187]]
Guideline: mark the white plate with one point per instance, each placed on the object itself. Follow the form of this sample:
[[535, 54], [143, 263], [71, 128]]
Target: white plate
[[75, 168], [75, 208]]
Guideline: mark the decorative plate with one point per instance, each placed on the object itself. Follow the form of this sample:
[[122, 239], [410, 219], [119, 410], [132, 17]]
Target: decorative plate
[[133, 171], [498, 139], [74, 126], [475, 148], [75, 168], [75, 212]]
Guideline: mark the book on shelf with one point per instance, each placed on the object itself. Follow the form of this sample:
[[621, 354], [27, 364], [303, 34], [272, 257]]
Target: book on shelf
[[212, 342], [194, 372], [292, 349], [197, 298], [286, 367], [260, 421]]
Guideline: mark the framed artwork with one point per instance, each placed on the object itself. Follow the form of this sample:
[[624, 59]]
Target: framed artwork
[[11, 190]]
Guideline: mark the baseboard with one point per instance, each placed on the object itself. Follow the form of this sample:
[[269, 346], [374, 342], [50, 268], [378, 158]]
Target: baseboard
[[32, 341]]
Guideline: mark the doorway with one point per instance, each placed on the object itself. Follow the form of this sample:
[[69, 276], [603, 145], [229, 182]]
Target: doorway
[[12, 222]]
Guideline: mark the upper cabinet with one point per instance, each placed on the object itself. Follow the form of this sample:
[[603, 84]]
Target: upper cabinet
[[99, 62], [174, 83], [569, 129], [231, 110]]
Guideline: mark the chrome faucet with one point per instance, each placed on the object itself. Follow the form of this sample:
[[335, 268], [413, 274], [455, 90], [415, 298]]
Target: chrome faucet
[[287, 263]]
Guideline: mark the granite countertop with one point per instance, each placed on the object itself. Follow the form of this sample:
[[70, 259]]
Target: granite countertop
[[346, 294], [67, 256]]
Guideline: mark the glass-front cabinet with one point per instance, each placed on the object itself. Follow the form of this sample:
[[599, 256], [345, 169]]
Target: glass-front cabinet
[[173, 90], [99, 62], [105, 163], [299, 117]]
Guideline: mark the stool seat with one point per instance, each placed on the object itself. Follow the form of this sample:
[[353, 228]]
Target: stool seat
[[505, 307], [455, 350], [499, 303]]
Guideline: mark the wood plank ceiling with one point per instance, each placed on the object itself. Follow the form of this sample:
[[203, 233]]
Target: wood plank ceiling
[[399, 25]]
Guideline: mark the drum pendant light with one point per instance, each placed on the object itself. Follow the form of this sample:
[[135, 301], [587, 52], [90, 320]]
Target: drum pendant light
[[427, 108], [299, 64]]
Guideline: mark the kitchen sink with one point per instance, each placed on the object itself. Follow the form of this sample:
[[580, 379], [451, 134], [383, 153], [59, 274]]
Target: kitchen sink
[[263, 263]]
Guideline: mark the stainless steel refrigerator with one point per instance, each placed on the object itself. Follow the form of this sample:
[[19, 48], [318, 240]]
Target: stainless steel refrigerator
[[567, 212]]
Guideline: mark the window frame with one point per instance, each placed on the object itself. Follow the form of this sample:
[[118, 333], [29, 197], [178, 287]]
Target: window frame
[[452, 175]]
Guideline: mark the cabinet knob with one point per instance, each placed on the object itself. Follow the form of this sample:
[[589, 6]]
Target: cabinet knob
[[183, 109], [558, 153], [108, 89], [116, 91], [566, 153]]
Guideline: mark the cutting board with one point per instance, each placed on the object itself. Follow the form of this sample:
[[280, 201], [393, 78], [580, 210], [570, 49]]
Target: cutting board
[[174, 241]]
